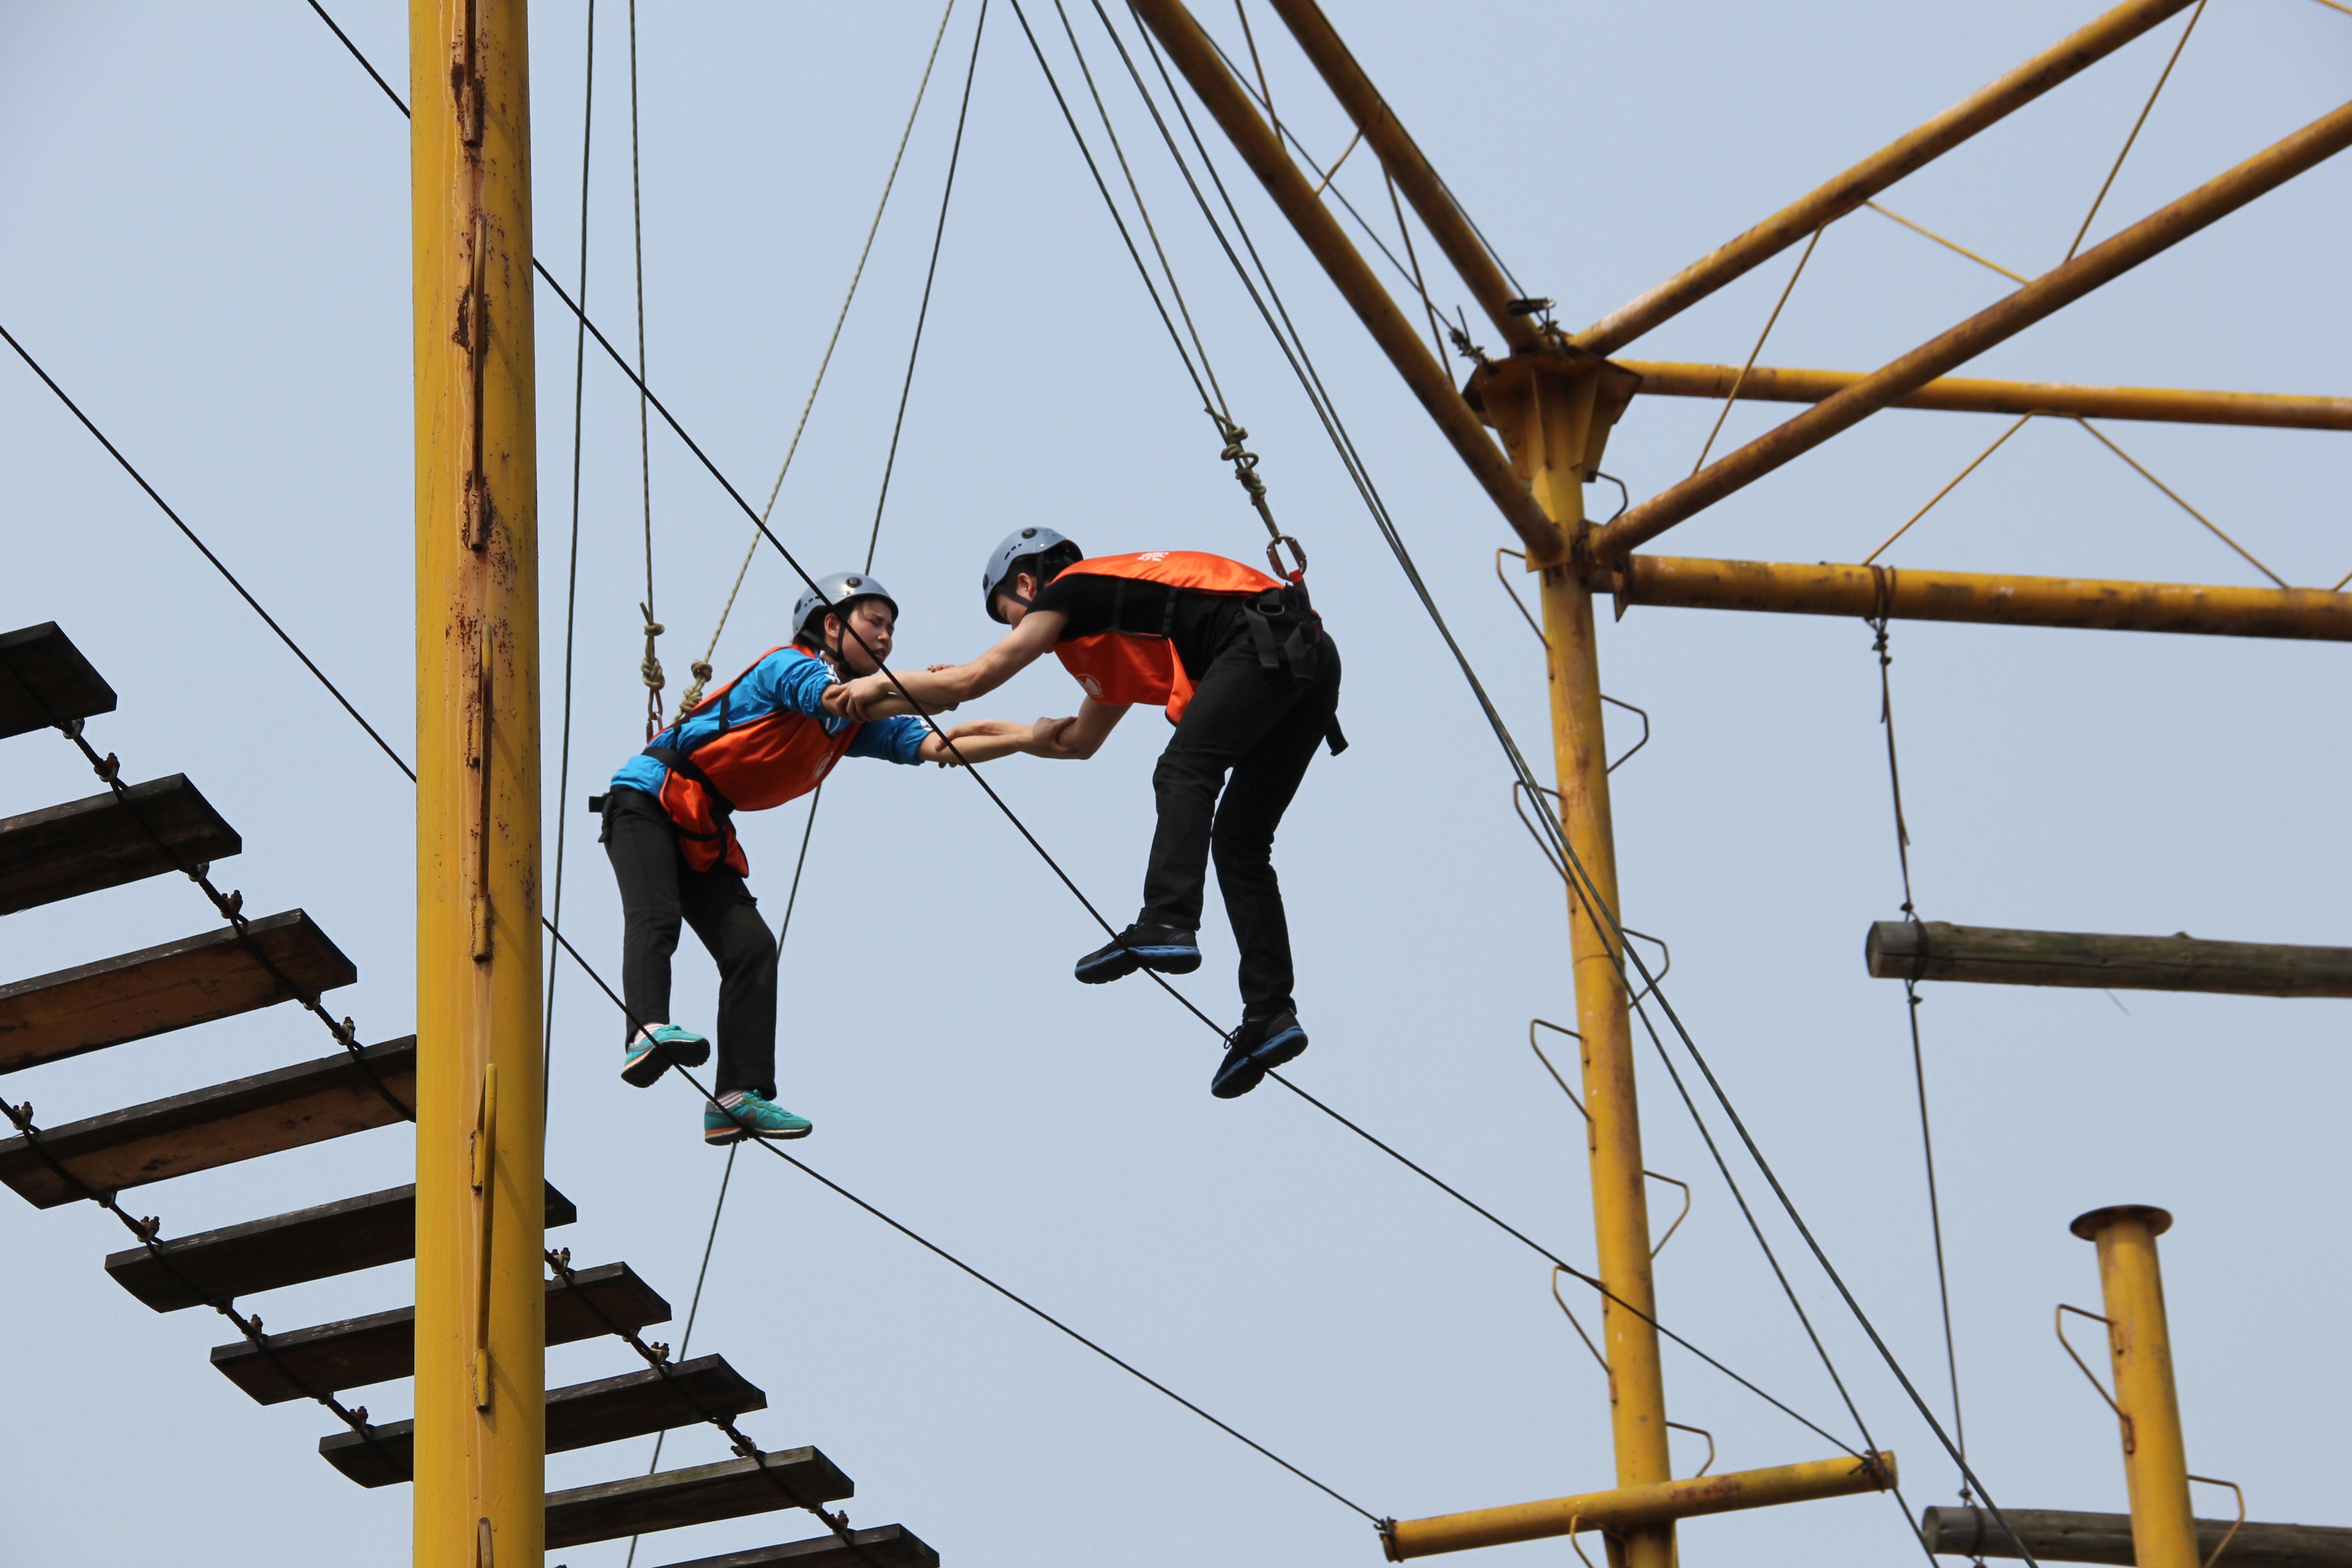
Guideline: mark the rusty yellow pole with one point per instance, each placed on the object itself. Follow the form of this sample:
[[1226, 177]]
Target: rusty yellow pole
[[480, 1330], [2155, 1465], [1623, 1510], [1554, 410]]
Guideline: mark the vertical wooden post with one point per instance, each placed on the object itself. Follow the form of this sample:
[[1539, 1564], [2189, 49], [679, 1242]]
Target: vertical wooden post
[[1554, 408], [2155, 1461], [480, 1450]]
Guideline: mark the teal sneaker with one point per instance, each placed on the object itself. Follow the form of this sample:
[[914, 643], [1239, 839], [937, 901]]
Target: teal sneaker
[[650, 1054], [742, 1112]]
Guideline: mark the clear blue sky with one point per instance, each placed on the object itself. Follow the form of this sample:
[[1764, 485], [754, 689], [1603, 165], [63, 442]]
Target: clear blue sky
[[206, 243]]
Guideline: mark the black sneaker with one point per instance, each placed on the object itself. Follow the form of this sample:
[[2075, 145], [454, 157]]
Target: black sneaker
[[1163, 948], [1259, 1045]]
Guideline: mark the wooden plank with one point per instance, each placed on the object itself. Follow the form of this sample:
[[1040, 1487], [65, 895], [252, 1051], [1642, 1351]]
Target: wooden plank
[[579, 1416], [883, 1546], [65, 851], [1902, 950], [239, 1119], [357, 1351], [53, 681], [2063, 1537], [674, 1499], [284, 1250], [195, 980]]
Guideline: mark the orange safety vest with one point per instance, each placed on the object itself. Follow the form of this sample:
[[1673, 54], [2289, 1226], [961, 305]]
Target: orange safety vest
[[1121, 667], [749, 764]]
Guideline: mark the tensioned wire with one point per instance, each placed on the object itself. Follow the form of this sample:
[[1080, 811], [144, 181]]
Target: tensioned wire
[[621, 363], [1618, 950]]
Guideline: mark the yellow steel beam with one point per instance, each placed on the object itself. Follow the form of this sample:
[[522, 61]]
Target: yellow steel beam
[[1554, 411], [1632, 1507], [1408, 166], [480, 1448], [2059, 287], [1191, 52], [2156, 1464], [1965, 394], [1875, 174], [1907, 594]]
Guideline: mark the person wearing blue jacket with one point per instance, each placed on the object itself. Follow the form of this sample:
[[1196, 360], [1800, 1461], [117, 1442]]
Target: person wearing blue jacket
[[770, 735]]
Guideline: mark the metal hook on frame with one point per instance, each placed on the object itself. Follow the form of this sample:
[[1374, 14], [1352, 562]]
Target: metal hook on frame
[[1535, 1024], [2131, 1443], [1521, 605]]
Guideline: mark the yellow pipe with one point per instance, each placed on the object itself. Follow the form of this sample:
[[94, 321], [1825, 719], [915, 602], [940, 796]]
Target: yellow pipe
[[480, 1332], [1632, 1508], [1968, 395], [1554, 412], [1849, 190], [2155, 1465], [1911, 595]]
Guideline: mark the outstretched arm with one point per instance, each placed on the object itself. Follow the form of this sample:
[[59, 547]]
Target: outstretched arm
[[1080, 736], [871, 696], [978, 740]]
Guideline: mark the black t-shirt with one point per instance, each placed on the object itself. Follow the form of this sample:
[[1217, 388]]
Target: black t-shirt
[[1198, 624]]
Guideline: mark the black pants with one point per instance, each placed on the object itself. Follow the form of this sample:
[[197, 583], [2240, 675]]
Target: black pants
[[657, 888], [1264, 726]]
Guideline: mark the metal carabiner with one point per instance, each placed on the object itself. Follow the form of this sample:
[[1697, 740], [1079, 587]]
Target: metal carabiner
[[1296, 574]]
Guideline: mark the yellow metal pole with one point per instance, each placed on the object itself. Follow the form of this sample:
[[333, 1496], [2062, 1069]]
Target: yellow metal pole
[[1899, 157], [1915, 593], [1554, 411], [480, 1448], [1634, 1506], [1971, 394], [2155, 1465]]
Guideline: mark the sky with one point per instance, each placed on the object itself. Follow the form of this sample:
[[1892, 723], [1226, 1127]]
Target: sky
[[206, 246]]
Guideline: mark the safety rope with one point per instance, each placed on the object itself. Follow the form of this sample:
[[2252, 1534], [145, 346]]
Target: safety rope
[[649, 668], [1884, 585], [701, 666], [571, 576]]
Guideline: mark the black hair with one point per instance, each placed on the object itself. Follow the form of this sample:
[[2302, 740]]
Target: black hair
[[1046, 564]]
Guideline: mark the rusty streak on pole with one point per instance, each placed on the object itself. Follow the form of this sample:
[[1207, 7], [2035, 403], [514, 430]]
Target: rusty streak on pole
[[1883, 168], [1190, 48], [1403, 159], [1908, 594], [2055, 290], [1964, 395]]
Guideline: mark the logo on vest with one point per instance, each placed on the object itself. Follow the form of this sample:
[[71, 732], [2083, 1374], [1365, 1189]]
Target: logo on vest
[[1094, 687], [1154, 555]]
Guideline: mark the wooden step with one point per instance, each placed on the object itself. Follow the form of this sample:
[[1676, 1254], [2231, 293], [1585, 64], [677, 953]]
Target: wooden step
[[360, 1351], [194, 980], [2064, 1537], [284, 1250], [1902, 950], [65, 851], [53, 683], [580, 1416], [883, 1546], [674, 1499], [236, 1120]]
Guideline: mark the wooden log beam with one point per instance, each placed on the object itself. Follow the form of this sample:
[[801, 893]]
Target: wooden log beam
[[1909, 593], [582, 1415], [316, 1243], [1969, 395], [672, 1498], [1997, 324], [46, 681], [1902, 950], [357, 1351], [84, 846], [883, 1546], [173, 985], [2061, 1537], [240, 1119], [1901, 156]]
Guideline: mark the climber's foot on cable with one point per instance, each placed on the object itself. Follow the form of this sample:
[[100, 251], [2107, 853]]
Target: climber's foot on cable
[[1161, 947], [746, 1113], [1255, 1049], [650, 1056]]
